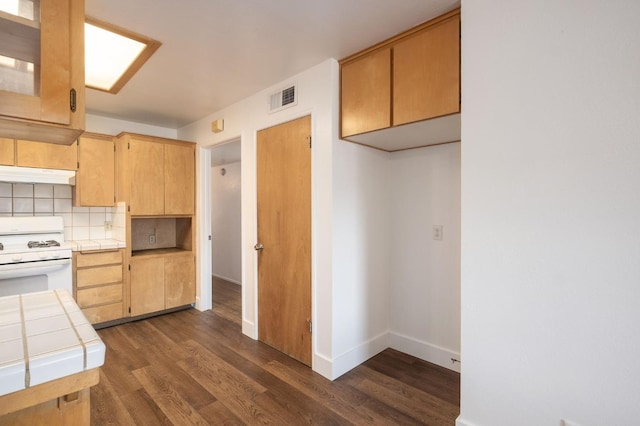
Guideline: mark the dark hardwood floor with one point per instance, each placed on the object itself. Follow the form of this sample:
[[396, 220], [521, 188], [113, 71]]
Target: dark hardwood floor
[[192, 367]]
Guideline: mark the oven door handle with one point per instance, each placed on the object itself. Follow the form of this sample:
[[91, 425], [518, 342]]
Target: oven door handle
[[26, 269]]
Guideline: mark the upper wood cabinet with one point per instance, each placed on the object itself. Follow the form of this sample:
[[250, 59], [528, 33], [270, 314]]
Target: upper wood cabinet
[[42, 90], [366, 93], [426, 73], [179, 179], [156, 175], [46, 155], [95, 178], [7, 152], [411, 77]]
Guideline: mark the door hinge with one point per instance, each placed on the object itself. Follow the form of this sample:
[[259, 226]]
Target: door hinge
[[310, 326], [72, 100], [129, 309], [114, 147], [128, 145], [114, 198], [309, 141], [128, 208], [78, 164], [129, 266]]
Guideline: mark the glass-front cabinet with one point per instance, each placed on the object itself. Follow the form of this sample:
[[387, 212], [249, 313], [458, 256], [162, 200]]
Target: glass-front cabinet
[[42, 70]]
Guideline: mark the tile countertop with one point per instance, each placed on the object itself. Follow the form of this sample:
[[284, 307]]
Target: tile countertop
[[86, 245], [44, 336]]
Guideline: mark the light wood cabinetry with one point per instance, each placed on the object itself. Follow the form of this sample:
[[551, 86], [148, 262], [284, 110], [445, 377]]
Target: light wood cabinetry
[[412, 77], [179, 179], [7, 152], [95, 179], [162, 281], [426, 73], [155, 177], [159, 175], [147, 285], [46, 155], [179, 280], [366, 93], [147, 177], [45, 102], [99, 284]]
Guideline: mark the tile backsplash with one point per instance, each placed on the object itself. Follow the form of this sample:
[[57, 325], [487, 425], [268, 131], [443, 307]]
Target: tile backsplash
[[80, 223]]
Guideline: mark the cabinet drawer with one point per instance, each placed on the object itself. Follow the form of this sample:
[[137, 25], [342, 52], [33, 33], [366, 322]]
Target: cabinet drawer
[[99, 275], [99, 295], [84, 260], [103, 313]]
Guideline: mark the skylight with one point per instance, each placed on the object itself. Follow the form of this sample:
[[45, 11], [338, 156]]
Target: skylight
[[113, 55]]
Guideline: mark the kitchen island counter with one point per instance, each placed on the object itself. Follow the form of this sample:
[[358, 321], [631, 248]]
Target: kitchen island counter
[[48, 352]]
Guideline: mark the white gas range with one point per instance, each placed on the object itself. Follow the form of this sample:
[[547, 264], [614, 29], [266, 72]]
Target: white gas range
[[34, 255]]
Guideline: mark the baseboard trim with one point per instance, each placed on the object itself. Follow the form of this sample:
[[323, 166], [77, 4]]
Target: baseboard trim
[[356, 356], [425, 351], [322, 365], [231, 280], [249, 329], [462, 422]]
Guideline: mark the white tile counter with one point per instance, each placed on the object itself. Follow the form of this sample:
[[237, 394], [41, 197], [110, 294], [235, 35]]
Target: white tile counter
[[88, 245], [43, 337]]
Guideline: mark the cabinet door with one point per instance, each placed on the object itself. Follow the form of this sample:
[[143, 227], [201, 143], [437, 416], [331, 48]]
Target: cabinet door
[[426, 73], [146, 177], [179, 280], [7, 152], [95, 180], [179, 179], [366, 93], [46, 155], [44, 46], [147, 285]]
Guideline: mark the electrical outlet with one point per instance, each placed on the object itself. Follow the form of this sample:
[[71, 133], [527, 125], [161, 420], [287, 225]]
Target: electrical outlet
[[437, 232], [152, 239], [108, 225]]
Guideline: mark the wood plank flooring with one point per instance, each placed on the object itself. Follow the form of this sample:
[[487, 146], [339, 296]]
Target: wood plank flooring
[[196, 368]]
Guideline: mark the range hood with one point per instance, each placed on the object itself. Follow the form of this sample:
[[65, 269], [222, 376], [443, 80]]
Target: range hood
[[31, 175]]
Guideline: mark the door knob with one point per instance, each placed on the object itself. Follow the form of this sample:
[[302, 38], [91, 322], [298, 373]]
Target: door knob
[[258, 247]]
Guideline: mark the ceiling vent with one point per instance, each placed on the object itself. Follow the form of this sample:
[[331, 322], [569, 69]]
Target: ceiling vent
[[284, 98]]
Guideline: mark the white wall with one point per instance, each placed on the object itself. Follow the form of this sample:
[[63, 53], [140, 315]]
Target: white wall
[[318, 96], [361, 237], [113, 126], [424, 285], [225, 223], [550, 212]]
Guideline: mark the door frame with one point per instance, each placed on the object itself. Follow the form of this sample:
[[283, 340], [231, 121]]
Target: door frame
[[249, 225]]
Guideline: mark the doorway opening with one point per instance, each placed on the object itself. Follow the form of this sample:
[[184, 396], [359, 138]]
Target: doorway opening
[[226, 268]]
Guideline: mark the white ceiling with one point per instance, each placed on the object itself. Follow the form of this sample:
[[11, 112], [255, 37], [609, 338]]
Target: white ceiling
[[217, 52]]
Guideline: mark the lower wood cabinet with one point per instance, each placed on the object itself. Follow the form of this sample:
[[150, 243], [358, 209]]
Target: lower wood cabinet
[[99, 284], [161, 282], [179, 280]]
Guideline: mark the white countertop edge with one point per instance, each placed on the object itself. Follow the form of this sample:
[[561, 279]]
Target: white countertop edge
[[87, 245]]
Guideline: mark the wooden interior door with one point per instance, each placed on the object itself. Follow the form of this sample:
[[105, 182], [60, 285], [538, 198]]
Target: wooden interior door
[[284, 231]]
